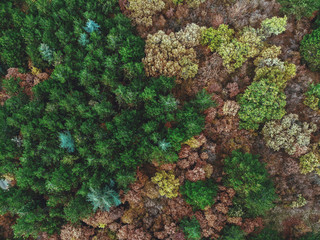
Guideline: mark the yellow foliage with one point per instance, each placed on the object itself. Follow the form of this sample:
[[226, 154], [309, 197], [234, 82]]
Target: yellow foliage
[[268, 53], [35, 70], [8, 177], [167, 183], [101, 225], [193, 143]]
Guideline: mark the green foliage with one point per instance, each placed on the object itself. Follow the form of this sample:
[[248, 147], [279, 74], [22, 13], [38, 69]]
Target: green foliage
[[267, 234], [199, 194], [99, 92], [11, 86], [299, 8], [310, 49], [259, 103], [233, 233], [191, 228], [248, 177], [12, 46], [104, 199], [311, 236]]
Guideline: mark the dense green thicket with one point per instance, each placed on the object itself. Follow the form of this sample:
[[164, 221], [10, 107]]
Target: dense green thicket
[[191, 228], [267, 234], [96, 119], [199, 194], [12, 46], [310, 49], [249, 178], [299, 8], [233, 233]]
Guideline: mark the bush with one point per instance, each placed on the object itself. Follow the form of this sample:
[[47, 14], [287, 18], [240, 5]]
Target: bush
[[261, 102], [299, 8], [310, 49], [199, 194], [12, 46], [191, 228], [248, 177]]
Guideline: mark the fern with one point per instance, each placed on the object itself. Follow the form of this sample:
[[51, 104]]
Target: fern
[[66, 141], [163, 145], [104, 199], [83, 40], [91, 26], [46, 52]]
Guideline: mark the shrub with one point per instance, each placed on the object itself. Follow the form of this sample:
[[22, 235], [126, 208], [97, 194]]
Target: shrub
[[248, 177], [261, 102], [191, 228], [199, 194], [299, 8], [289, 134], [167, 183], [310, 49]]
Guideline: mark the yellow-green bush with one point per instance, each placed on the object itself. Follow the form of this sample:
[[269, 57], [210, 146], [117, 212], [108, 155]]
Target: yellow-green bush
[[273, 25], [190, 3], [168, 184], [310, 162], [300, 202], [214, 38], [278, 74]]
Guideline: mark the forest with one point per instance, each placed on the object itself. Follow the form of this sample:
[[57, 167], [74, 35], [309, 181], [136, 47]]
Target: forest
[[160, 119]]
